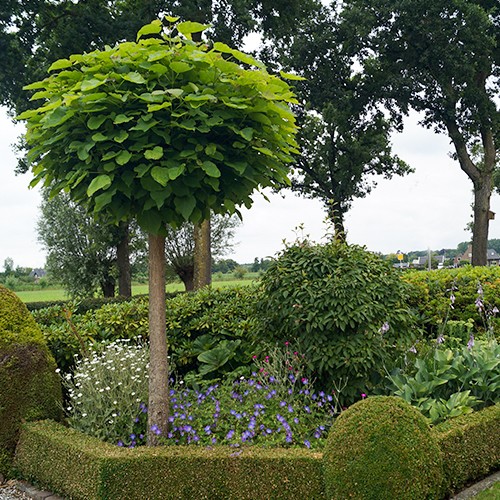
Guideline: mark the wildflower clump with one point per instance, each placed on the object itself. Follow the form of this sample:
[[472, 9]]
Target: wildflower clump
[[107, 390], [382, 447]]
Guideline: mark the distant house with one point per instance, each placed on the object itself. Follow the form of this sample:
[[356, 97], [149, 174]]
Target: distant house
[[38, 273], [492, 256]]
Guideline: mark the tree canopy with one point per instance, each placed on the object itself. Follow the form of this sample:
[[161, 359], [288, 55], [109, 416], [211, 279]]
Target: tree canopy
[[344, 136], [164, 129], [439, 57]]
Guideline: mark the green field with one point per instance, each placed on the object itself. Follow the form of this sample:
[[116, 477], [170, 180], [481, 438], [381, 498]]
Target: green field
[[59, 294]]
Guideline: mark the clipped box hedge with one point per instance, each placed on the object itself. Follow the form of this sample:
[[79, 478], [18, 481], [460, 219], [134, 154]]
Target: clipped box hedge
[[470, 446], [81, 467]]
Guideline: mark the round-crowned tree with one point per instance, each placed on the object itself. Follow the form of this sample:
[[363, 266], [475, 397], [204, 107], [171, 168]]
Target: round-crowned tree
[[165, 130], [345, 308]]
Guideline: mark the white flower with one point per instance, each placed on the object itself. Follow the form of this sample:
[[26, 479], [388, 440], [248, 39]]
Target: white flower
[[58, 370]]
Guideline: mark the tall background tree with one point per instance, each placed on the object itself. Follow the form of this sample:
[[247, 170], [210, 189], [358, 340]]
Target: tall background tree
[[82, 253], [441, 58], [344, 136], [180, 246]]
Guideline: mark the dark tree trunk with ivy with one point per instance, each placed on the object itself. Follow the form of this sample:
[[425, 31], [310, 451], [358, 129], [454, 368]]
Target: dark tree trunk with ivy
[[202, 255], [158, 406]]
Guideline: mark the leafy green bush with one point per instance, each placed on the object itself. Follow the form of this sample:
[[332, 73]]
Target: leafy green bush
[[211, 333], [29, 387], [345, 307], [470, 446], [447, 383], [432, 290], [382, 447]]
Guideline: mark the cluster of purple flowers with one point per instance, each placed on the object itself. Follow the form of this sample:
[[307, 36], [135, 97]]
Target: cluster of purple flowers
[[244, 413]]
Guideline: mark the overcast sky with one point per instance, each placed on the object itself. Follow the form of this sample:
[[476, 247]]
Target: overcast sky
[[427, 209]]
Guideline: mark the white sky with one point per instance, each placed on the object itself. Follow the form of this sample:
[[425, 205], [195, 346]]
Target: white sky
[[427, 209]]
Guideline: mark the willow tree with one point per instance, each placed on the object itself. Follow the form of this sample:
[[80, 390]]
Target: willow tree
[[164, 130]]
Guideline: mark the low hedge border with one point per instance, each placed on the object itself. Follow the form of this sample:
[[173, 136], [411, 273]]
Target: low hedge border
[[81, 467], [470, 445]]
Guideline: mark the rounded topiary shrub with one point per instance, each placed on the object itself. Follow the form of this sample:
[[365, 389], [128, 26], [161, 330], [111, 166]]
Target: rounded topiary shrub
[[30, 389], [344, 306], [382, 447]]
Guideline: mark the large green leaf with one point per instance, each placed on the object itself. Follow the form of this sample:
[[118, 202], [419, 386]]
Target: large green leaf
[[180, 66], [154, 154], [210, 169], [123, 157], [160, 175], [99, 182], [185, 205], [152, 28]]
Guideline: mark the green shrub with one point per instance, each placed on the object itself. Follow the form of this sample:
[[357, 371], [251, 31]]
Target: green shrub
[[431, 293], [212, 332], [470, 446], [334, 300], [382, 447], [29, 387], [80, 467], [446, 383]]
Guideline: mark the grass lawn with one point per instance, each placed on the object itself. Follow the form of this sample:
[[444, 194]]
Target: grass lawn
[[492, 493], [59, 294]]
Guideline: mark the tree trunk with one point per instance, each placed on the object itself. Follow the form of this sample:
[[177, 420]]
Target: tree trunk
[[187, 277], [202, 255], [123, 262], [337, 218], [158, 406], [108, 287], [482, 194]]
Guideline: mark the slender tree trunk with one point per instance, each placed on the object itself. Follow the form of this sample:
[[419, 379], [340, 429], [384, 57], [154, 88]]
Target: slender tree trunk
[[123, 263], [482, 194], [158, 406], [202, 255]]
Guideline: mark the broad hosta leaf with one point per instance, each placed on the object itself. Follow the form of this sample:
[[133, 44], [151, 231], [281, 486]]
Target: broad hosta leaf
[[100, 182]]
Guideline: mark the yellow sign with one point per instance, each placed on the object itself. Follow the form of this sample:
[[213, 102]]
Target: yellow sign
[[400, 256]]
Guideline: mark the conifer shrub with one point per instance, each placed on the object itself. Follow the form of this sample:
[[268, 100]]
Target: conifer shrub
[[343, 305], [30, 388], [382, 447]]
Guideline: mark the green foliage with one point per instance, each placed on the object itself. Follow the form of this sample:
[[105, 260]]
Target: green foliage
[[451, 382], [106, 389], [78, 466], [432, 290], [164, 129], [381, 447], [333, 300], [29, 386], [470, 446], [212, 332]]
